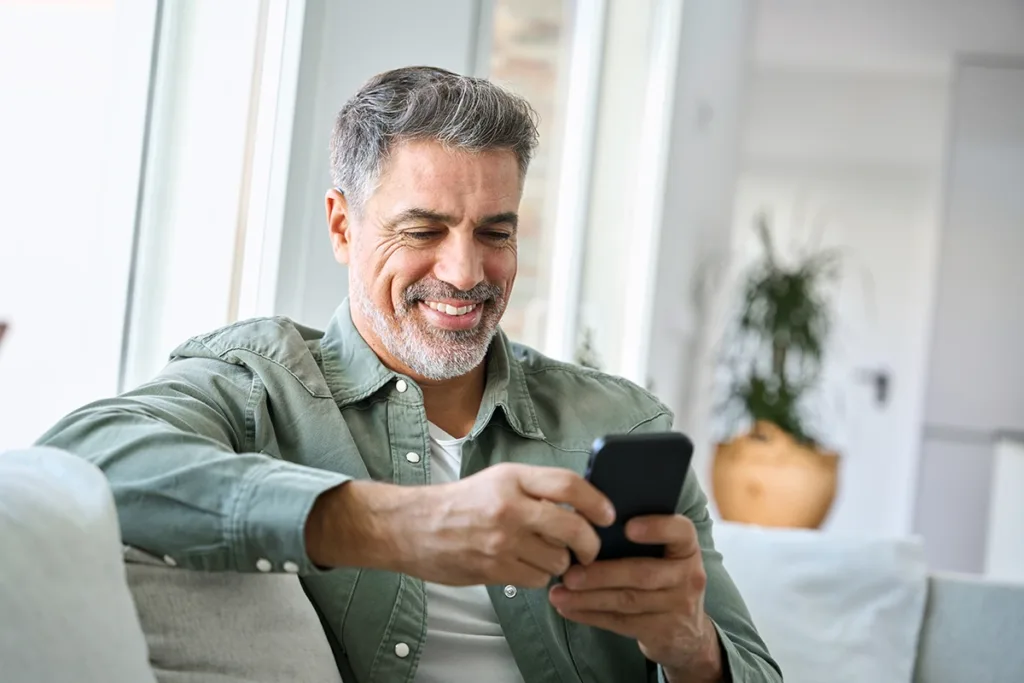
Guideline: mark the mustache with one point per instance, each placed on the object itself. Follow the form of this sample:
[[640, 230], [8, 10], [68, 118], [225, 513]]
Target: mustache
[[431, 289]]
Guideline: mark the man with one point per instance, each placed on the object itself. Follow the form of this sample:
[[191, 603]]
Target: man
[[421, 472]]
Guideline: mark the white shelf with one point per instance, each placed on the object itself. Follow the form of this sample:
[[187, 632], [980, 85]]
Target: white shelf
[[1004, 557]]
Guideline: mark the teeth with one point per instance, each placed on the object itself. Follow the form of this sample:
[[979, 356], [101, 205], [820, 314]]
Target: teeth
[[451, 310]]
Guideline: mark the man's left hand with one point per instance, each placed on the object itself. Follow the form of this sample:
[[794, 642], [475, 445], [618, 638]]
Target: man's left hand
[[659, 602]]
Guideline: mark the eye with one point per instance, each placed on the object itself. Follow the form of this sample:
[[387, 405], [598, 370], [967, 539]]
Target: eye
[[497, 235], [421, 235]]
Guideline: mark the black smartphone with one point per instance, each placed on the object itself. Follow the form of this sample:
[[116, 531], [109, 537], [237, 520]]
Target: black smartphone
[[642, 474]]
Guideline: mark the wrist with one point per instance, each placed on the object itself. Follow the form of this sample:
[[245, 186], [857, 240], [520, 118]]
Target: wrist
[[705, 665], [356, 525]]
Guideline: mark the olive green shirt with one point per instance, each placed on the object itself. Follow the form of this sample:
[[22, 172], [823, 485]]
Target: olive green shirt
[[216, 464]]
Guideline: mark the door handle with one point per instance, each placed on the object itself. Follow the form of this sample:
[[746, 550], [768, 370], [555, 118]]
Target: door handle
[[880, 380]]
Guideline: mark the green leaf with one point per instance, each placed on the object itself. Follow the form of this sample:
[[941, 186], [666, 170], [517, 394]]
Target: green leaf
[[780, 336]]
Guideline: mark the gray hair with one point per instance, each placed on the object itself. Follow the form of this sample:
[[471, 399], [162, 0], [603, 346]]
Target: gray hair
[[424, 103]]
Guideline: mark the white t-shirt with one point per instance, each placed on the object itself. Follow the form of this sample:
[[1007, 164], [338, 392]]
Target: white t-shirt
[[464, 639]]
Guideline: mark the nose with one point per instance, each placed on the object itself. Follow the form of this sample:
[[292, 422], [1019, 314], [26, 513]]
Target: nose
[[460, 261]]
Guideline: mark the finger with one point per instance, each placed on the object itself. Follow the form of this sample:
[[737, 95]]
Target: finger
[[565, 486], [618, 600], [648, 573], [552, 559], [526, 576], [676, 532], [564, 527]]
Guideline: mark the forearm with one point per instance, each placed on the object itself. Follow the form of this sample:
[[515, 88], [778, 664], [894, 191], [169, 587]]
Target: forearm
[[349, 526], [189, 497], [367, 524]]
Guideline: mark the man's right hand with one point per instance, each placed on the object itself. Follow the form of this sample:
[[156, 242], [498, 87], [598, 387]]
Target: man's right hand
[[505, 524]]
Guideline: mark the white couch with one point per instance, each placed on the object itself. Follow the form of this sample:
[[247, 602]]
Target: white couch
[[77, 608], [844, 608]]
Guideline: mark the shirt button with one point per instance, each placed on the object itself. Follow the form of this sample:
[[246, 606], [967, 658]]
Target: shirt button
[[264, 565], [171, 562], [510, 591], [412, 457], [401, 385], [291, 567], [402, 650]]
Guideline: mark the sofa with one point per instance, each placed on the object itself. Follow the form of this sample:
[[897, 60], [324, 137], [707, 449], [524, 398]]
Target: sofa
[[79, 606], [845, 608]]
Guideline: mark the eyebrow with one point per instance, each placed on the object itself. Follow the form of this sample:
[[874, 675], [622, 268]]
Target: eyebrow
[[410, 215]]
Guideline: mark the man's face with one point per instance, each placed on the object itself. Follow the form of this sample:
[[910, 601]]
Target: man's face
[[432, 256]]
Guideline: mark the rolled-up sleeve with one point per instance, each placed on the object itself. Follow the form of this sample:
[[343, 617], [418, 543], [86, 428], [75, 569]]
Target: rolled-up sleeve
[[188, 480]]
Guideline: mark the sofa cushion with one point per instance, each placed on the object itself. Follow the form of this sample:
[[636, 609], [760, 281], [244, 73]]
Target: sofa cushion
[[67, 613], [205, 627], [972, 631], [830, 607]]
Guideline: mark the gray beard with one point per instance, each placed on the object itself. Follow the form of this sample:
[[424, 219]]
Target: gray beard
[[431, 353]]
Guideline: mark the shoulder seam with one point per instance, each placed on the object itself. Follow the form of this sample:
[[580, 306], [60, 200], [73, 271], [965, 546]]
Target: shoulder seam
[[598, 375], [223, 356], [652, 418], [280, 365]]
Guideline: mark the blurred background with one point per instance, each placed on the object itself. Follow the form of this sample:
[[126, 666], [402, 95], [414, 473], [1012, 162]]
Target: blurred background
[[799, 223]]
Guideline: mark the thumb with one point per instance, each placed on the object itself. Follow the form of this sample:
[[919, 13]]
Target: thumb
[[676, 532]]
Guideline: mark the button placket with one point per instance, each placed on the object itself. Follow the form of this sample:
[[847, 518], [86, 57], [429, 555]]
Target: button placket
[[408, 440]]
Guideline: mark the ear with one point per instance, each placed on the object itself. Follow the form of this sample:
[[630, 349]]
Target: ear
[[339, 224]]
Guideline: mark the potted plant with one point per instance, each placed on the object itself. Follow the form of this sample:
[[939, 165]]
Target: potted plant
[[774, 471]]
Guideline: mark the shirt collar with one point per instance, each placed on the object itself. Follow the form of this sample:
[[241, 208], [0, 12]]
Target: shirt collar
[[353, 372]]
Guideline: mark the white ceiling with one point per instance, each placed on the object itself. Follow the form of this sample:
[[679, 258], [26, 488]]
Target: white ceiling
[[895, 36]]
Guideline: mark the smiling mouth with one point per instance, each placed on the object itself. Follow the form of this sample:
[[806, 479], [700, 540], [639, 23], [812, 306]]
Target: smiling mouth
[[448, 309]]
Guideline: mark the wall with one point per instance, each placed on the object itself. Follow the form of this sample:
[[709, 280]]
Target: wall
[[346, 42], [976, 379], [846, 118], [697, 205], [854, 161]]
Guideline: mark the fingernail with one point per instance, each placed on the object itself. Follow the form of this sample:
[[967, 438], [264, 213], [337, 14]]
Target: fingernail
[[609, 512], [576, 579], [636, 530]]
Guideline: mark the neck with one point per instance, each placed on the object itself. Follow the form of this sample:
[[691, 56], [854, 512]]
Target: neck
[[453, 404]]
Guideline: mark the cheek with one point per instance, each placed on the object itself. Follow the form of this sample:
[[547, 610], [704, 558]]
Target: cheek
[[404, 268], [500, 267]]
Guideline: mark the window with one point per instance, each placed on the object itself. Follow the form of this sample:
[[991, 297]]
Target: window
[[529, 54], [73, 78]]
